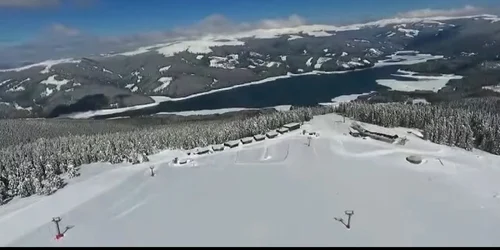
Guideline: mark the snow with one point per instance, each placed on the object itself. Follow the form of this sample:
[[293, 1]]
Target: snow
[[354, 64], [344, 54], [398, 59], [48, 65], [283, 59], [468, 54], [344, 98], [16, 106], [293, 37], [201, 46], [495, 88], [5, 81], [51, 80], [138, 51], [199, 57], [309, 62], [325, 50], [255, 54], [219, 111], [159, 98], [277, 192], [16, 89], [106, 71], [89, 114], [163, 69], [420, 100], [135, 88], [228, 62], [432, 83], [375, 51], [47, 92], [272, 64], [165, 82], [129, 86], [391, 34], [320, 62], [320, 33], [409, 32]]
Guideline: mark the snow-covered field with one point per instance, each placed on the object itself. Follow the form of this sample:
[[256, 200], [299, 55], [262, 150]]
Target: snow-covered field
[[345, 98], [90, 114], [219, 111], [278, 192], [417, 82]]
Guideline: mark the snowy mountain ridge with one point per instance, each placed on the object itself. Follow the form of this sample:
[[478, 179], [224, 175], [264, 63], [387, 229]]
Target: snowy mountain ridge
[[284, 191], [194, 65]]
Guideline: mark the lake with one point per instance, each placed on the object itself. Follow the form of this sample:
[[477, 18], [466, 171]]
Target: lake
[[306, 90]]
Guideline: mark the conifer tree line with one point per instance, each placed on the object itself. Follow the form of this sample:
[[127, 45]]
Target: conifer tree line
[[473, 123], [37, 167]]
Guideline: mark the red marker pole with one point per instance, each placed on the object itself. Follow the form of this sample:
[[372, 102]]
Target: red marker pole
[[56, 220]]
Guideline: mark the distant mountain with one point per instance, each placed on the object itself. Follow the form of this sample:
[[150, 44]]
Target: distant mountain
[[185, 67]]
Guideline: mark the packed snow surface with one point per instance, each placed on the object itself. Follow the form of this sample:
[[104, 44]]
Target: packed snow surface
[[278, 192]]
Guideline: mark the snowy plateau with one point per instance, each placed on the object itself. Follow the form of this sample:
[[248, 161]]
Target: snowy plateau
[[285, 191]]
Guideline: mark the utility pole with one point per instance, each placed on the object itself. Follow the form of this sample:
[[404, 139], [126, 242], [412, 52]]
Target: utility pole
[[56, 220]]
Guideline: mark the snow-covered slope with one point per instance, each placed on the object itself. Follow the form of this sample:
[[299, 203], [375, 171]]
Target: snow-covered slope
[[278, 192]]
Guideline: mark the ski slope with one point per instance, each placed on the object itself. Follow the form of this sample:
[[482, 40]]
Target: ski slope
[[278, 192]]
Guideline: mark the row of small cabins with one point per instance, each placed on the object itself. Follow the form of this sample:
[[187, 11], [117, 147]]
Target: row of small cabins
[[232, 144]]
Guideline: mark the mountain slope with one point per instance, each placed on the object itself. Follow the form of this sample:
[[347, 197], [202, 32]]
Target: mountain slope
[[181, 68], [278, 192]]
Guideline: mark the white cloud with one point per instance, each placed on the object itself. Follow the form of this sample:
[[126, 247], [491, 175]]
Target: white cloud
[[291, 21], [28, 3], [64, 30], [466, 10], [216, 24]]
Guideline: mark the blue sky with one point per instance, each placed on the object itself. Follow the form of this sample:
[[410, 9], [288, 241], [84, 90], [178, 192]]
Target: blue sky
[[120, 17]]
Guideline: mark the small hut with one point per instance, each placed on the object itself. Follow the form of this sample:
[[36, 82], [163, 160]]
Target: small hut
[[202, 151], [232, 144], [271, 134], [292, 126], [259, 137], [217, 148], [247, 140], [282, 130]]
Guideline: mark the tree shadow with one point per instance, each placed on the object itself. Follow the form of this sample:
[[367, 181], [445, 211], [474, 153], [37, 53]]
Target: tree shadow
[[342, 221]]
